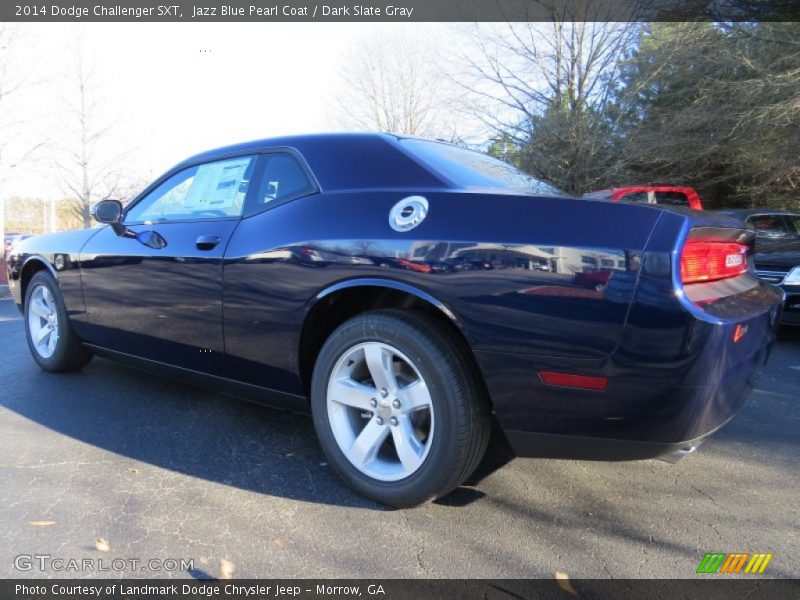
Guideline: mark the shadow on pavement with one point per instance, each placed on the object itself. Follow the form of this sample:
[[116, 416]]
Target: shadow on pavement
[[196, 432]]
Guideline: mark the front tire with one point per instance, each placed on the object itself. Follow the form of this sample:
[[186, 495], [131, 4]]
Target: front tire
[[398, 411], [51, 340]]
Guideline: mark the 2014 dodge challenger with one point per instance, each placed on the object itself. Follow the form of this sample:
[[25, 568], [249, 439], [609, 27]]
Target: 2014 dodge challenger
[[409, 294]]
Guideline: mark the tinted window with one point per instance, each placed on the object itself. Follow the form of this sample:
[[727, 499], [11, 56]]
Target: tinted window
[[283, 178], [470, 169], [636, 197], [769, 225], [672, 198], [211, 190]]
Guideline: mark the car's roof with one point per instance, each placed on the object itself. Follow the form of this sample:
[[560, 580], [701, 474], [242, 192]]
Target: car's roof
[[288, 141], [747, 212], [642, 186], [342, 160]]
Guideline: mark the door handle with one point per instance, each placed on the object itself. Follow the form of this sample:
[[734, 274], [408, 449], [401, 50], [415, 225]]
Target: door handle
[[207, 242]]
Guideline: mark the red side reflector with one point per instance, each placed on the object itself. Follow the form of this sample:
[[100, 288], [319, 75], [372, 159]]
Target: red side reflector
[[574, 381], [739, 332], [710, 261]]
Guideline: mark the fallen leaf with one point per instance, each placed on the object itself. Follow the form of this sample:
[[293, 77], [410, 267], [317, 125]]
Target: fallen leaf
[[279, 543], [133, 470], [226, 568], [42, 523], [102, 545], [562, 579]]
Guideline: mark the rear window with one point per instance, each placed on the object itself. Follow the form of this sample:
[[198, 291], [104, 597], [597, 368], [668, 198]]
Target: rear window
[[641, 197], [769, 225], [672, 198], [470, 169]]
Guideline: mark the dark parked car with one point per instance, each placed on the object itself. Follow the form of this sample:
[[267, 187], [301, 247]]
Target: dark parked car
[[404, 367], [10, 239], [777, 253], [668, 195]]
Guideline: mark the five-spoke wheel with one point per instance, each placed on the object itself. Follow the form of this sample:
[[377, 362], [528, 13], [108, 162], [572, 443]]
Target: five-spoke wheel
[[43, 321], [51, 339], [397, 406], [380, 411]]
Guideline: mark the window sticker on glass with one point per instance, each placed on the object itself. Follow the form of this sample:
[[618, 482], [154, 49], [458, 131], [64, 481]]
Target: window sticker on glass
[[218, 186]]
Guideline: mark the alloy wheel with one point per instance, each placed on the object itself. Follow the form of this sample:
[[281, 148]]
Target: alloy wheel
[[43, 321], [380, 411]]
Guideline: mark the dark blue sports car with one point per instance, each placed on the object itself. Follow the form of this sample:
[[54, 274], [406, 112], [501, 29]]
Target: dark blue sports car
[[409, 294]]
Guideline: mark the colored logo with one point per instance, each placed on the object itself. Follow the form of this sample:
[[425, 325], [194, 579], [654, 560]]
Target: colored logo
[[720, 562]]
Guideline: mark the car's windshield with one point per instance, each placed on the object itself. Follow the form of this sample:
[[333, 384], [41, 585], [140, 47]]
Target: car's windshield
[[470, 169]]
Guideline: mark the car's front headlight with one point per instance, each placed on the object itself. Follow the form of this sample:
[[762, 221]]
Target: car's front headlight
[[793, 278]]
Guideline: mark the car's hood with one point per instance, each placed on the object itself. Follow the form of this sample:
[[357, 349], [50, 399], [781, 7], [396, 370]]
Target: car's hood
[[62, 241]]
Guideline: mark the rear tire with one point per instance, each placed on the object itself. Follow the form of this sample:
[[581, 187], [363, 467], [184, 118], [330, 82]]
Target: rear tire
[[51, 339], [398, 409]]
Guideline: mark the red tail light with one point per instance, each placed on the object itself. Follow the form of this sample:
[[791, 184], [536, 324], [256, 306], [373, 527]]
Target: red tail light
[[709, 261]]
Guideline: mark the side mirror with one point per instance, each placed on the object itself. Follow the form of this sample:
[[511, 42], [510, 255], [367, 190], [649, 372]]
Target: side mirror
[[107, 211]]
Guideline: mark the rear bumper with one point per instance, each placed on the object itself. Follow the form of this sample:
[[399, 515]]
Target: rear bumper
[[543, 445]]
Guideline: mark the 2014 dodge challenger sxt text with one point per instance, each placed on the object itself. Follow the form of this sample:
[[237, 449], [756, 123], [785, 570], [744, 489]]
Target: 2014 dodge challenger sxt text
[[407, 292]]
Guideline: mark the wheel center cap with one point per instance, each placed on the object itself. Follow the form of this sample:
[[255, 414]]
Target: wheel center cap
[[385, 407]]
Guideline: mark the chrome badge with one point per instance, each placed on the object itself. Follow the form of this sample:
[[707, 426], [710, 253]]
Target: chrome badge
[[408, 213]]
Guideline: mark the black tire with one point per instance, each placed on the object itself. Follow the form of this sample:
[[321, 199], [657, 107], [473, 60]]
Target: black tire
[[69, 354], [458, 401]]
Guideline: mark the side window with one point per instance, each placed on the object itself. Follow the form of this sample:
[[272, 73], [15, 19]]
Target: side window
[[769, 226], [282, 179], [672, 198], [208, 191], [794, 224], [635, 197]]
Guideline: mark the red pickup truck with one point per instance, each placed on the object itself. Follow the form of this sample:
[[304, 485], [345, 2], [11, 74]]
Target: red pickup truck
[[650, 194]]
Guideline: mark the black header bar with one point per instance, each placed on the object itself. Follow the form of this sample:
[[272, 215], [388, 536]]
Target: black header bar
[[707, 588], [398, 10]]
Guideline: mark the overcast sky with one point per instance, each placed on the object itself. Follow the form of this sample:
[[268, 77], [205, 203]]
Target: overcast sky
[[176, 89]]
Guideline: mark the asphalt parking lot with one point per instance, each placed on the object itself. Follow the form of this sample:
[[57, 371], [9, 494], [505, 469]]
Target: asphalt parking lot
[[157, 469]]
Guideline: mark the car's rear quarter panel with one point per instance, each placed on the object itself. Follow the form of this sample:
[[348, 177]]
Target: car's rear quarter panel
[[677, 374], [509, 308]]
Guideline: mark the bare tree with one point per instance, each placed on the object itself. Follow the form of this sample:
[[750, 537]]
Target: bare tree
[[546, 86], [393, 81], [86, 163], [9, 84]]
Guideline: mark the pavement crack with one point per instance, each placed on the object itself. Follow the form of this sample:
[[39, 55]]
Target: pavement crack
[[419, 554], [709, 496]]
